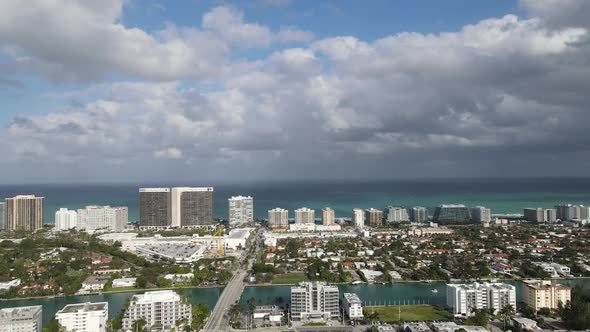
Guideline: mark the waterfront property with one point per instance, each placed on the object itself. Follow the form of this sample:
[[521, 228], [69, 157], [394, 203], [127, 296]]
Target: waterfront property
[[545, 294], [158, 308], [314, 301], [464, 298], [353, 307], [84, 317], [21, 319]]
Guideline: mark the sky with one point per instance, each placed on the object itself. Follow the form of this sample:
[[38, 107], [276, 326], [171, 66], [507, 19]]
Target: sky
[[207, 90]]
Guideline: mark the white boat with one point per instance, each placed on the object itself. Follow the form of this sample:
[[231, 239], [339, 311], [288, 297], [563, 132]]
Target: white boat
[[435, 291]]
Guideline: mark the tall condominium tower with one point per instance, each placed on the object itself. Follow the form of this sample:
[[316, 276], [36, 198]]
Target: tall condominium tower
[[106, 218], [481, 214], [65, 219], [328, 216], [192, 206], [313, 300], [154, 207], [304, 216], [419, 214], [452, 214], [396, 214], [24, 212], [2, 215], [373, 217], [567, 212], [358, 218], [278, 217], [241, 209]]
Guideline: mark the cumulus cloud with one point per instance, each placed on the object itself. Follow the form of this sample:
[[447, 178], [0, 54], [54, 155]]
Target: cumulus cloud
[[503, 96]]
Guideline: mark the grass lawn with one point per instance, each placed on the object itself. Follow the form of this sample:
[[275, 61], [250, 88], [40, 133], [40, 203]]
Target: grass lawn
[[289, 278], [408, 313]]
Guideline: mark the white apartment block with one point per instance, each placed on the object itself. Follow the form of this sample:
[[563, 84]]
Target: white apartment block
[[84, 317], [328, 216], [419, 214], [278, 217], [481, 214], [353, 306], [162, 308], [314, 301], [65, 219], [544, 294], [358, 218], [241, 209], [304, 216], [21, 319], [106, 218], [463, 298], [396, 214]]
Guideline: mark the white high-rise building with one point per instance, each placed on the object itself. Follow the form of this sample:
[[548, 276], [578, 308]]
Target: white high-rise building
[[352, 306], [21, 319], [463, 298], [106, 218], [358, 218], [84, 317], [241, 209], [584, 212], [481, 214], [328, 216], [65, 219], [566, 212], [396, 214], [419, 214], [314, 300], [278, 217], [304, 216], [191, 207], [162, 308]]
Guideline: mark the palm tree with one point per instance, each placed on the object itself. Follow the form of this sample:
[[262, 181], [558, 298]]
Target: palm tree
[[505, 314]]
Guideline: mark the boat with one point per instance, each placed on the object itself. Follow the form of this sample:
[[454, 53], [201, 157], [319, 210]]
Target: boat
[[434, 290]]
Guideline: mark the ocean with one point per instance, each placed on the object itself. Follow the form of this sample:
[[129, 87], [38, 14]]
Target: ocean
[[501, 195]]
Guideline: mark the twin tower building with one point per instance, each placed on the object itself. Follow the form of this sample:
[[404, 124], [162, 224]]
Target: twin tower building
[[180, 207]]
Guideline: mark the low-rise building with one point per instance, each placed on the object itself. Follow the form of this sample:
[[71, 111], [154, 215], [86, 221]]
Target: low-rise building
[[353, 307], [7, 285], [416, 327], [158, 308], [452, 327], [523, 324], [268, 313], [124, 282], [94, 283], [21, 319], [544, 294], [84, 317]]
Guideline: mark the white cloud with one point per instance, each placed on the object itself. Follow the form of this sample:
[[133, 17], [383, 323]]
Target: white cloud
[[169, 153]]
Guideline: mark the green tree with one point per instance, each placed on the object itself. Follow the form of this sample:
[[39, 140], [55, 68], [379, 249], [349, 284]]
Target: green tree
[[505, 314], [54, 326]]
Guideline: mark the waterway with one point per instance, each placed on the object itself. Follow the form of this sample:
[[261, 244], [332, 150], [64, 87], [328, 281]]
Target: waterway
[[398, 293]]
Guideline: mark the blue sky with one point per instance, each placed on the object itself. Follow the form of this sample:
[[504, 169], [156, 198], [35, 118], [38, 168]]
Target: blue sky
[[129, 90]]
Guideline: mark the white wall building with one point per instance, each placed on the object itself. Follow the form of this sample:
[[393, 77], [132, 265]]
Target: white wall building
[[358, 218], [65, 219], [124, 282], [463, 298], [396, 214], [84, 317], [481, 214], [328, 216], [419, 214], [191, 206], [106, 218], [304, 216], [21, 319], [160, 307], [278, 217], [241, 209], [314, 301], [352, 306]]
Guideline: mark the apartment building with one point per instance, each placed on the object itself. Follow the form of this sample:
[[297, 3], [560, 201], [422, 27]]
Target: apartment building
[[314, 301], [463, 298], [84, 317]]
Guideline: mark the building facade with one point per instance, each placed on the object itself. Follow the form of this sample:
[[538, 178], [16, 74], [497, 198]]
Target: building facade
[[241, 209], [544, 294], [567, 212], [21, 319], [373, 217], [358, 218], [2, 216], [352, 306], [106, 218], [192, 206], [24, 212], [419, 214], [452, 214], [84, 317], [154, 208], [162, 308], [396, 214], [278, 217], [65, 219], [480, 214], [328, 216], [314, 301], [463, 298], [304, 216], [540, 215]]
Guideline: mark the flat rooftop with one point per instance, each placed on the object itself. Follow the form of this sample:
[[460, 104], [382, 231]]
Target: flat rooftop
[[352, 298], [86, 307], [9, 312], [176, 250]]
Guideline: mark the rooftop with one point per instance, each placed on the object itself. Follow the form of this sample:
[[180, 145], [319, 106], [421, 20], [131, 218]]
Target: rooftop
[[352, 298], [86, 307], [9, 312], [157, 296]]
